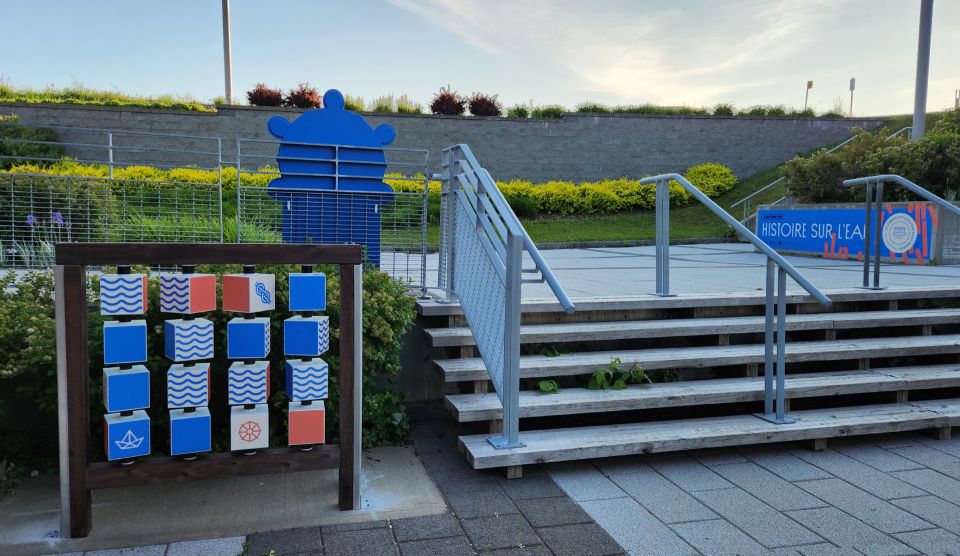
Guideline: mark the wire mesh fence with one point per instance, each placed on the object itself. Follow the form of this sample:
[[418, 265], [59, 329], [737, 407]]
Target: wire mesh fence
[[98, 185], [38, 211]]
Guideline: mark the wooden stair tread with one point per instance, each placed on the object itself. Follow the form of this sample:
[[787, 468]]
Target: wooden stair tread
[[455, 370], [687, 434], [618, 330], [570, 401], [431, 307]]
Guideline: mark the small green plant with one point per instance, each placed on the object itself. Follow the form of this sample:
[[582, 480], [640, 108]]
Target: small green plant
[[352, 103], [613, 376], [548, 351], [407, 106], [549, 386], [593, 108], [723, 109], [548, 111], [384, 104], [518, 111], [9, 472]]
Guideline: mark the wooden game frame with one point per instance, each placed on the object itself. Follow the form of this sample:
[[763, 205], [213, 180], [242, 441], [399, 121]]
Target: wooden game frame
[[78, 476]]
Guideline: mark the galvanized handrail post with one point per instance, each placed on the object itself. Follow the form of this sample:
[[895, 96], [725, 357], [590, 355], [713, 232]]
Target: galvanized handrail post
[[768, 342], [423, 236], [110, 154], [510, 436], [781, 345], [873, 220], [239, 205], [663, 238], [867, 230], [448, 193], [878, 230]]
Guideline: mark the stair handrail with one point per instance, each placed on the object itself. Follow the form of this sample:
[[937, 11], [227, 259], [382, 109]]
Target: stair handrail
[[481, 260], [776, 265], [871, 222], [663, 286]]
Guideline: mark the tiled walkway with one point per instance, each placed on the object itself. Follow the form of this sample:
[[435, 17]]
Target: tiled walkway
[[876, 495]]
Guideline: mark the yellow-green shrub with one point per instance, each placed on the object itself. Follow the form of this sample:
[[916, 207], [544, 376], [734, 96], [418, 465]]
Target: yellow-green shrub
[[562, 198], [713, 179]]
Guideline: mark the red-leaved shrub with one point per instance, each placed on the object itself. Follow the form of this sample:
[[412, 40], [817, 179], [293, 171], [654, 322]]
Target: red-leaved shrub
[[485, 105], [261, 95], [448, 102], [304, 96]]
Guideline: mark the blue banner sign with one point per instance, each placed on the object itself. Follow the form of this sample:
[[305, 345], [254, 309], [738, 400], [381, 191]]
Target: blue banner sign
[[838, 233]]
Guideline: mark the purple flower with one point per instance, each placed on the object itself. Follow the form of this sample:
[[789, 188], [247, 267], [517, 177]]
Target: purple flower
[[31, 219], [57, 218]]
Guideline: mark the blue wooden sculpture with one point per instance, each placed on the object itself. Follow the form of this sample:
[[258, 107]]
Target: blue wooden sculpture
[[331, 186]]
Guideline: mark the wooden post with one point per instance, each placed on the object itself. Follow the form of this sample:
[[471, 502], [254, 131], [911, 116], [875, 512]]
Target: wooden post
[[73, 399], [349, 383]]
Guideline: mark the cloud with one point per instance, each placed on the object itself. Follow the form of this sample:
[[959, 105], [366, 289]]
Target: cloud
[[695, 54]]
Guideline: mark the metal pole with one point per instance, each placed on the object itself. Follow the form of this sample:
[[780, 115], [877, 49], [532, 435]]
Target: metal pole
[[423, 235], [851, 103], [451, 208], [923, 69], [781, 344], [110, 153], [510, 437], [768, 343], [663, 238], [866, 235], [878, 235], [227, 62]]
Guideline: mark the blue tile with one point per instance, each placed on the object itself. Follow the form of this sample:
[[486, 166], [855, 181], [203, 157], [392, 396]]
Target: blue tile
[[306, 380], [308, 292], [306, 336], [189, 432], [188, 340], [127, 437], [248, 338], [126, 390], [124, 342]]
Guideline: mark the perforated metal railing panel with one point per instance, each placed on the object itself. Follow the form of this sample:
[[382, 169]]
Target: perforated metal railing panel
[[482, 294]]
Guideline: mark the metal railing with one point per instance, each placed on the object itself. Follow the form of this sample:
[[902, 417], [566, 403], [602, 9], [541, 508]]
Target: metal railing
[[873, 224], [748, 200], [777, 267], [481, 257]]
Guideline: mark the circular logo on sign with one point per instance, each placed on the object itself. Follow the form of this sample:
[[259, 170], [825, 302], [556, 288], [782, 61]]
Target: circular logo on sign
[[249, 431], [899, 232]]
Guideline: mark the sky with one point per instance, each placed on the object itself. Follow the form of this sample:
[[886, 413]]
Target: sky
[[673, 52]]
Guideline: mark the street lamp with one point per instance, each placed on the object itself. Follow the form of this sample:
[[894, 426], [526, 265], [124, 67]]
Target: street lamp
[[806, 95], [227, 63], [923, 69], [853, 85]]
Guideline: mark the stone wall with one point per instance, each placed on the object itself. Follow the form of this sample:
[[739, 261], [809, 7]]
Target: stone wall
[[574, 147]]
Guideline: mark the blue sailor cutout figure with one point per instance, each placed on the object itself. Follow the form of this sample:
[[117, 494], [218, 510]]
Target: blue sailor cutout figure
[[331, 185]]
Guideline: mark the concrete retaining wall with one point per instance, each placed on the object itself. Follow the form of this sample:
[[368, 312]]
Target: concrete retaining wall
[[575, 147]]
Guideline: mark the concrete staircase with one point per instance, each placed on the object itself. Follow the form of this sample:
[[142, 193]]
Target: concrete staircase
[[877, 361]]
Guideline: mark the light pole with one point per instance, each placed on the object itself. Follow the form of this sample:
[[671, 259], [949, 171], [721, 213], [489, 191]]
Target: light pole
[[227, 63], [923, 69], [806, 95], [853, 85]]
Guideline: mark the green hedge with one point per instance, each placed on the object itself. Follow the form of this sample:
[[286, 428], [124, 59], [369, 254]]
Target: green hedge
[[21, 148], [932, 161]]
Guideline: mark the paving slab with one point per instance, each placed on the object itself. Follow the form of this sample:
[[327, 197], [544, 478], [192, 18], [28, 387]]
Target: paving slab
[[583, 539], [152, 550], [932, 458], [479, 503], [879, 458], [500, 531], [633, 528], [582, 481], [932, 482], [449, 546], [819, 549], [718, 537], [786, 465], [426, 527], [228, 546], [360, 542], [848, 532], [864, 506], [394, 484], [768, 487], [934, 510], [658, 495], [859, 474], [762, 522], [288, 541], [950, 446], [538, 485], [547, 512], [932, 541], [689, 474]]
